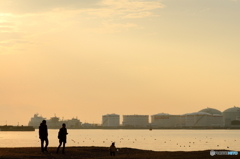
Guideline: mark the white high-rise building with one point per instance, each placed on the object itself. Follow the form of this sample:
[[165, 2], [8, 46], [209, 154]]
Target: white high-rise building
[[111, 120]]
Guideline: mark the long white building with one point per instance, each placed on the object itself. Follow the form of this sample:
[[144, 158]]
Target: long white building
[[208, 117], [135, 120], [111, 120], [197, 119], [165, 120], [202, 119]]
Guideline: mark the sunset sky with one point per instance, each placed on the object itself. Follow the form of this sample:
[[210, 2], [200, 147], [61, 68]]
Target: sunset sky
[[87, 58]]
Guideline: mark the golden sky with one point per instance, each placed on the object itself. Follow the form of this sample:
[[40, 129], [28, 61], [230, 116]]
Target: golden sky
[[90, 58]]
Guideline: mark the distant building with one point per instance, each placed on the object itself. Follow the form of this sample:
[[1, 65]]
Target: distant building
[[208, 117], [197, 119], [216, 116], [165, 120], [110, 120], [211, 111], [54, 122], [73, 123], [238, 118], [36, 120], [135, 120], [87, 125], [202, 119], [231, 114], [217, 120]]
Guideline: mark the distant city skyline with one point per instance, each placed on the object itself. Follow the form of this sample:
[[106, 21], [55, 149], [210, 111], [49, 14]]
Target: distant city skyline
[[90, 58], [120, 115]]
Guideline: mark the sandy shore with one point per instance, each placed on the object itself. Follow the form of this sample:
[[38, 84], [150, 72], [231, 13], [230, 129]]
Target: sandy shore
[[102, 153]]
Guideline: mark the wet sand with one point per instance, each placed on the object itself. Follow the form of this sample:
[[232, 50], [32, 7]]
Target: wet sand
[[102, 153]]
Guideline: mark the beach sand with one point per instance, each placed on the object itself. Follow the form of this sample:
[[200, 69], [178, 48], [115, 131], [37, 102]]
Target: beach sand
[[102, 153]]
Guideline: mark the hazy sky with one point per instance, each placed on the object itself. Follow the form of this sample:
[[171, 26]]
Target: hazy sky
[[88, 58]]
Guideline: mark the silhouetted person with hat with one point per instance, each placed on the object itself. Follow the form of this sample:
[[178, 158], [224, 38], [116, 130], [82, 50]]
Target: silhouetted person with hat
[[62, 136], [43, 135], [112, 149]]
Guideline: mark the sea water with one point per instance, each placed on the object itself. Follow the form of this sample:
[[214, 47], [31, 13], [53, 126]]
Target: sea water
[[157, 140]]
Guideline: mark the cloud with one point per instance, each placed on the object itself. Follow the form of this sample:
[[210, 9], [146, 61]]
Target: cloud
[[9, 36], [5, 24], [107, 27], [5, 29], [114, 14], [22, 19], [38, 6], [138, 15], [126, 8], [100, 8], [8, 31], [132, 5]]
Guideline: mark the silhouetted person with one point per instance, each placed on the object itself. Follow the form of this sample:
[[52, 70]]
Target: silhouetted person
[[43, 135], [62, 136], [112, 149]]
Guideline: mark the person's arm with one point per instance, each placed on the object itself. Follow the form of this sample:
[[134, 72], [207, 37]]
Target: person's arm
[[39, 132], [47, 130], [59, 134]]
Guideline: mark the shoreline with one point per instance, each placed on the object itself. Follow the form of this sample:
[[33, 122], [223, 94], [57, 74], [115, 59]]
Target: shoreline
[[33, 128], [102, 153]]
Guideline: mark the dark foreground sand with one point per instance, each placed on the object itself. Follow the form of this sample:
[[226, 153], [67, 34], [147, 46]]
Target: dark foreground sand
[[102, 153]]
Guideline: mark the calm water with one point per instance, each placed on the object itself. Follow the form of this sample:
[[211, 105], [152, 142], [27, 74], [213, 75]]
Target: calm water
[[158, 140]]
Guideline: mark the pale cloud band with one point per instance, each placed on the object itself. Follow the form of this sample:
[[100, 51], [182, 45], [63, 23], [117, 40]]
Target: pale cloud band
[[38, 6], [131, 9], [112, 7], [18, 15]]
